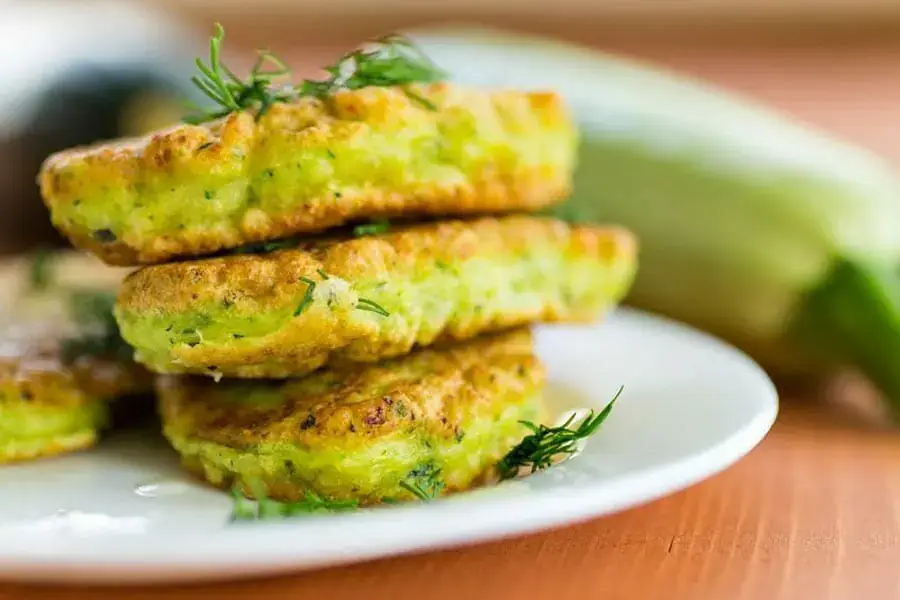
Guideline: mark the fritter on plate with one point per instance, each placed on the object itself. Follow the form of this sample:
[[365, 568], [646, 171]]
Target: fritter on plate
[[291, 311], [437, 420], [376, 152], [61, 361]]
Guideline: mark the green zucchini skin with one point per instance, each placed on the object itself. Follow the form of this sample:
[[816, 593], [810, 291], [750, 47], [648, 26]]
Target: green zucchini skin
[[747, 220]]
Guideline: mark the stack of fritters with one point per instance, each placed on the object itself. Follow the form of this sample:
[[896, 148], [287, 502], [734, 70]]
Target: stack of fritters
[[320, 349]]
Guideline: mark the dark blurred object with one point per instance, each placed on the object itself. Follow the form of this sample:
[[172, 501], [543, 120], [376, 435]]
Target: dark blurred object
[[77, 73]]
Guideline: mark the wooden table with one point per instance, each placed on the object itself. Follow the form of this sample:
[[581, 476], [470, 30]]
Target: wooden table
[[813, 513]]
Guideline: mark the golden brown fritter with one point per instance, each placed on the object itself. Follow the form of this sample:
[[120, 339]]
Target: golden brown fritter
[[375, 152], [291, 311], [442, 415], [54, 391], [51, 402]]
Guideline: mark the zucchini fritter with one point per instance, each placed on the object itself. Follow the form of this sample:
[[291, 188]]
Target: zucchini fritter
[[51, 402], [289, 312], [311, 165], [446, 414], [56, 378]]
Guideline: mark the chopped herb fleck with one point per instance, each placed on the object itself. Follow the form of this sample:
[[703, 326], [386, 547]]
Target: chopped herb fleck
[[243, 509], [373, 228], [420, 99], [426, 484], [105, 236], [307, 297], [368, 305], [263, 247], [322, 274]]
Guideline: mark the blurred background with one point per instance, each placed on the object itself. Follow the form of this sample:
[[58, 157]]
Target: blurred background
[[80, 71]]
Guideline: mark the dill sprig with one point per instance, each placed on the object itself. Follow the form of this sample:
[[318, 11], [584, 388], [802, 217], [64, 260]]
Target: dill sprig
[[539, 449], [371, 306], [230, 92], [426, 483], [391, 60], [244, 509]]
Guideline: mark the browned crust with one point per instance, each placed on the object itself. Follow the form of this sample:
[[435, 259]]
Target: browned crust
[[325, 334], [435, 390], [63, 444], [211, 147], [257, 282]]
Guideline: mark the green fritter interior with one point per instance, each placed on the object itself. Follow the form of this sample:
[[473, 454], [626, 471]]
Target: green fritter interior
[[30, 427], [440, 415], [292, 311]]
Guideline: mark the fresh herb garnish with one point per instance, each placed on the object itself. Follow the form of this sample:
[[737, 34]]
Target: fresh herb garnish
[[361, 303], [230, 92], [373, 228], [40, 271], [369, 305], [391, 60], [307, 297], [243, 509], [539, 449], [93, 311], [427, 483]]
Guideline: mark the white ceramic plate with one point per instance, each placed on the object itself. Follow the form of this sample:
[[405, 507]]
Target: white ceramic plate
[[124, 513]]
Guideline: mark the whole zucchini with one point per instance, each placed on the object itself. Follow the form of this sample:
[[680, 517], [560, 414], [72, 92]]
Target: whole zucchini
[[761, 230]]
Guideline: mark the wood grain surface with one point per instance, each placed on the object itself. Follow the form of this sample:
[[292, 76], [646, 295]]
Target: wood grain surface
[[813, 513]]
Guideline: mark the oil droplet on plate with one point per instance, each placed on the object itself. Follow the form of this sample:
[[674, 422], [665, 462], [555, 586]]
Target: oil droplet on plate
[[165, 487]]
